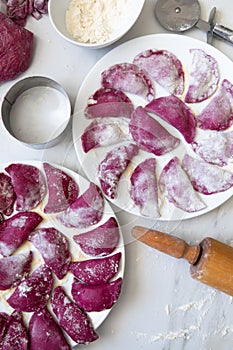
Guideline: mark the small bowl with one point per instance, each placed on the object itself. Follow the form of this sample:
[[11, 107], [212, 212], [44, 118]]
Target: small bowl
[[57, 13], [36, 111]]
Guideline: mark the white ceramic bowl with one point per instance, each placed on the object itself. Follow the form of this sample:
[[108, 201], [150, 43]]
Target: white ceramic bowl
[[57, 13]]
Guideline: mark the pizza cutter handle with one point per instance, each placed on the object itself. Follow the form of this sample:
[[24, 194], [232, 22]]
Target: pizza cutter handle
[[168, 244], [223, 32]]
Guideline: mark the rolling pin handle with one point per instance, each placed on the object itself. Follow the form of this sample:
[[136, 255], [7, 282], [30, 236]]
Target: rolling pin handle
[[192, 254], [167, 244]]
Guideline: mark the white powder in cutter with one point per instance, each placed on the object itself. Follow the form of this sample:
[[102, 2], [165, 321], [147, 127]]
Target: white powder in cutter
[[93, 21]]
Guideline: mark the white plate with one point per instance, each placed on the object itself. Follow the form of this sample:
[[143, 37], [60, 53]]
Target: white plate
[[180, 46], [50, 220]]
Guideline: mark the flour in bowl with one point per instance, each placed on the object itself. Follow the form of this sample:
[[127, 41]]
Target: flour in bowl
[[93, 21]]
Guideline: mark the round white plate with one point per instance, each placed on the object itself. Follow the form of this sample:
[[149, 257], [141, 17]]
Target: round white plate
[[179, 45], [50, 220]]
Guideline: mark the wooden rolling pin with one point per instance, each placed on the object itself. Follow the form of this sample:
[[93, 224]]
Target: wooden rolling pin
[[211, 261]]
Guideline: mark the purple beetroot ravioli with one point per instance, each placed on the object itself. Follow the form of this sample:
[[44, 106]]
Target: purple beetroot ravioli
[[150, 135], [13, 269], [71, 318], [29, 185], [104, 132], [85, 211], [7, 195], [177, 187], [96, 271], [218, 113], [204, 76], [33, 292], [129, 78], [62, 189], [174, 111], [100, 241], [54, 248], [144, 188], [108, 103], [15, 230], [96, 298], [14, 335], [45, 333], [112, 167], [164, 67], [207, 178]]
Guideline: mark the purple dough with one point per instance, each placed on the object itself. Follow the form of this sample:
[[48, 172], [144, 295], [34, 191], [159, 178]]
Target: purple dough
[[16, 49], [71, 318], [177, 188], [45, 333], [96, 298], [204, 76], [7, 195], [15, 335], [150, 135], [62, 189], [207, 178], [15, 230], [112, 167], [100, 241], [108, 103], [130, 78], [164, 67], [144, 188], [13, 269], [29, 185], [33, 293], [54, 248], [218, 114], [104, 132], [96, 271], [85, 211]]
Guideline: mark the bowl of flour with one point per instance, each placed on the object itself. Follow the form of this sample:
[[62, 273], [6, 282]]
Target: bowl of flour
[[94, 23]]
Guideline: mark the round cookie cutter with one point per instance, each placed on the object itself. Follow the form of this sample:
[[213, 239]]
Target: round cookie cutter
[[36, 111]]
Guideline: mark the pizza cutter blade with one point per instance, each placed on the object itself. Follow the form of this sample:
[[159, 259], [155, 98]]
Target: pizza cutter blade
[[181, 15]]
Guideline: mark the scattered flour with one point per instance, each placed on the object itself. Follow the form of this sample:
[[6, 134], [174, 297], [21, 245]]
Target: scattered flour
[[93, 21]]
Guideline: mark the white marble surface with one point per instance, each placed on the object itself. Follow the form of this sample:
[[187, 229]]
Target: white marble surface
[[160, 306]]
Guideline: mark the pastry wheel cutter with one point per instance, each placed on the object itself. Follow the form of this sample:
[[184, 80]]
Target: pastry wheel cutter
[[181, 15]]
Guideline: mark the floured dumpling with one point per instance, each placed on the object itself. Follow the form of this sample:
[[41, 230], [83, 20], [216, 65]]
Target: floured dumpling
[[144, 188], [107, 102], [129, 78], [100, 241], [15, 230], [71, 318], [177, 187], [54, 248], [207, 178], [29, 185], [204, 76], [62, 189], [164, 67], [113, 166], [104, 132], [13, 269], [218, 114], [150, 135], [96, 271], [175, 112], [33, 292], [96, 298], [44, 332], [85, 211]]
